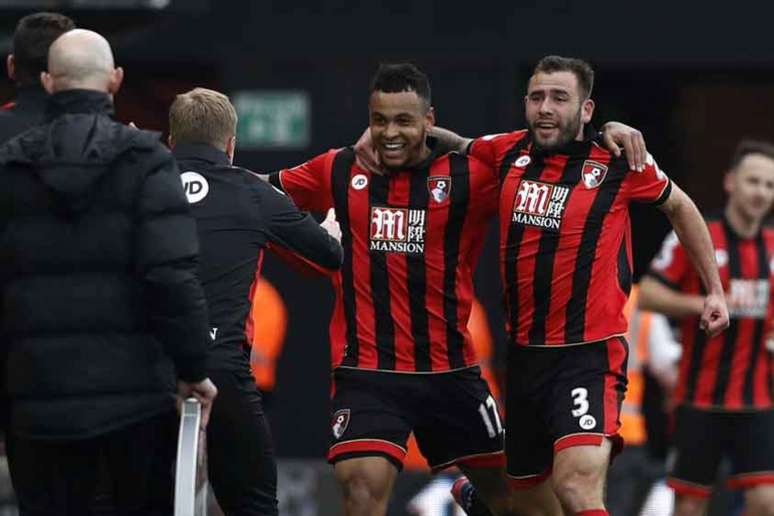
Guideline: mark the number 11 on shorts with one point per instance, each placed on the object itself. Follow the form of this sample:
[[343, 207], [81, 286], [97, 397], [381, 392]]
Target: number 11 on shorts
[[488, 411]]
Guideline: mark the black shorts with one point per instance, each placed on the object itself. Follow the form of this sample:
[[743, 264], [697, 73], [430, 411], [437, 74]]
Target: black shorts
[[703, 437], [453, 415], [558, 397]]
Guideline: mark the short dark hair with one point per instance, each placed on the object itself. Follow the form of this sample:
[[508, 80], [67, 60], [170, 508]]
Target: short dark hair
[[34, 34], [581, 69], [748, 146], [397, 77]]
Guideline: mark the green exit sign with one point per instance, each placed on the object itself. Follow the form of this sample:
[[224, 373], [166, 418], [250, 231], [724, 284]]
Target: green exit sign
[[272, 119]]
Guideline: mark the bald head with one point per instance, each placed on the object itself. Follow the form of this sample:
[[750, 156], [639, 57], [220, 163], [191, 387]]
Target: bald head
[[81, 59]]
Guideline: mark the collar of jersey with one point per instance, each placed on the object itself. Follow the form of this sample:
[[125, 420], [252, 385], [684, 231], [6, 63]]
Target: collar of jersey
[[201, 152]]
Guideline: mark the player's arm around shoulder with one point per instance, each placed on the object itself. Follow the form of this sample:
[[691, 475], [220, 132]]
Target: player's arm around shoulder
[[694, 236], [484, 179]]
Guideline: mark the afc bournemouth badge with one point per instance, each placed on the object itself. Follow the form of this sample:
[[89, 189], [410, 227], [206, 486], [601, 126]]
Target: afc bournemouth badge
[[439, 187], [593, 173], [340, 422]]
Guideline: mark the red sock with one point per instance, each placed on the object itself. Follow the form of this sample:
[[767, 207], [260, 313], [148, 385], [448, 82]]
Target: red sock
[[593, 512]]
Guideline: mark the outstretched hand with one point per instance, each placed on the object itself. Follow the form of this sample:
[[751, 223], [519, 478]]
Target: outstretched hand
[[617, 137], [714, 318]]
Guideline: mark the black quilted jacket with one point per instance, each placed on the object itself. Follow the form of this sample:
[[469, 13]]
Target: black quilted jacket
[[101, 303]]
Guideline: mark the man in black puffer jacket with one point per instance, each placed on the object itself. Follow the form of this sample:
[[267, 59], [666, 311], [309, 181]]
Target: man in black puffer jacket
[[101, 303]]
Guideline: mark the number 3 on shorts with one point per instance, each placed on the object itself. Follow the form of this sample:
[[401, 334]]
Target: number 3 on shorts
[[580, 401], [487, 407]]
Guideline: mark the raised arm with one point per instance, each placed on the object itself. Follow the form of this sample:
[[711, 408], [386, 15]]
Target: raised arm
[[695, 239]]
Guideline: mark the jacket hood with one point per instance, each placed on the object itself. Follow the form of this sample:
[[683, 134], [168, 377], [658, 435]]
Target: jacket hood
[[78, 144]]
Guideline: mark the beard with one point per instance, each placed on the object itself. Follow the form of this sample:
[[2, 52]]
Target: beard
[[568, 130]]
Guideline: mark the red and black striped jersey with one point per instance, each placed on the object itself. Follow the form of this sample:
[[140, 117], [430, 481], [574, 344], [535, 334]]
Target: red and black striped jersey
[[411, 241], [733, 370], [565, 237]]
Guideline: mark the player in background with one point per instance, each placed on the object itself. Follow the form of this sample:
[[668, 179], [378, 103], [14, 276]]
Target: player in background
[[237, 216], [28, 58], [724, 396]]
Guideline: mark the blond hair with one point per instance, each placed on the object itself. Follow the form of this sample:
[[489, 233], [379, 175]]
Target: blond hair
[[202, 116]]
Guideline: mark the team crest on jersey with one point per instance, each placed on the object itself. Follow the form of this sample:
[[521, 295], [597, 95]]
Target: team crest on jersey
[[523, 161], [439, 187], [397, 230], [540, 204], [593, 173], [340, 422]]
